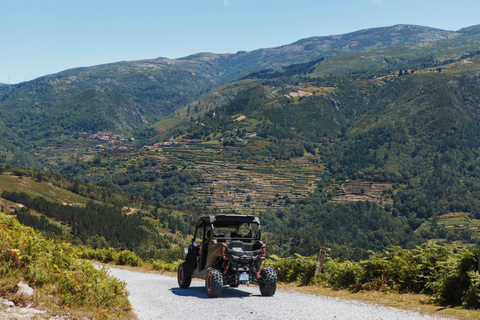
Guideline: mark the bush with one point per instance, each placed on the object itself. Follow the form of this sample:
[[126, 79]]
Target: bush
[[161, 265], [26, 254], [452, 278], [341, 274], [457, 282], [471, 298], [128, 258], [107, 255], [299, 269]]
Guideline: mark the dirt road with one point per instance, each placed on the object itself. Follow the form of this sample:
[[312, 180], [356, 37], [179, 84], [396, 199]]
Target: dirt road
[[155, 296]]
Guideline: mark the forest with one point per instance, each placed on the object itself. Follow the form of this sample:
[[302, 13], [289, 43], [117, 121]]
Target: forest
[[99, 225]]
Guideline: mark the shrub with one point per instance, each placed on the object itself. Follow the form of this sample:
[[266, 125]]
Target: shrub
[[471, 298], [26, 254], [403, 270], [161, 265], [457, 282], [341, 274], [107, 255], [128, 258], [299, 269]]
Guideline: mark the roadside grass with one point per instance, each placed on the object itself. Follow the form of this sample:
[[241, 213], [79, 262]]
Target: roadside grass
[[420, 303], [46, 299], [63, 283]]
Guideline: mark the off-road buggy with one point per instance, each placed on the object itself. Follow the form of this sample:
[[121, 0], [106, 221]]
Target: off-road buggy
[[230, 252]]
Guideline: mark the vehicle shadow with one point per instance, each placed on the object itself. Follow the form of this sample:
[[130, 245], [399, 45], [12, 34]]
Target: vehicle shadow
[[199, 292]]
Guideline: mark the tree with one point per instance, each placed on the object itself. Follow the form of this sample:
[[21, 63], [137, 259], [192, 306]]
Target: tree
[[39, 176]]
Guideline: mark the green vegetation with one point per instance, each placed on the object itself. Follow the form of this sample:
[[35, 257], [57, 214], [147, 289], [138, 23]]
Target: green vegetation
[[451, 277], [87, 224], [358, 143], [62, 214], [54, 270]]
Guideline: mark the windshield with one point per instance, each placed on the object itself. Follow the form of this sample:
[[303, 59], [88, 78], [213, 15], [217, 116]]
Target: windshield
[[245, 230]]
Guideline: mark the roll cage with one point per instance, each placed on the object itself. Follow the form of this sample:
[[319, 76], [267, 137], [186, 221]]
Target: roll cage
[[219, 225]]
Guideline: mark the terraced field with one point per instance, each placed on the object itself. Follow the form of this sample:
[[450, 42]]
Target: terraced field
[[459, 220], [364, 191], [246, 184]]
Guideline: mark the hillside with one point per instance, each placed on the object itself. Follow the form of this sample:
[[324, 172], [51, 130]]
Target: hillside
[[79, 213], [126, 97], [408, 127], [356, 142]]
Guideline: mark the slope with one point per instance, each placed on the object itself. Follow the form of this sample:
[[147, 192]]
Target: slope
[[87, 214], [411, 128], [400, 118], [125, 97]]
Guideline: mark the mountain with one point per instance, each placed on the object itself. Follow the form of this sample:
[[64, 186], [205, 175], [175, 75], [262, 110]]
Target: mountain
[[366, 140], [125, 97], [394, 128], [327, 96]]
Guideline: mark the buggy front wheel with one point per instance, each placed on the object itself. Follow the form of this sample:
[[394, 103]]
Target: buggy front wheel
[[183, 280]]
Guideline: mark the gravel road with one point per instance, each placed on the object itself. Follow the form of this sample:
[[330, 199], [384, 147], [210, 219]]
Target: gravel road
[[155, 296]]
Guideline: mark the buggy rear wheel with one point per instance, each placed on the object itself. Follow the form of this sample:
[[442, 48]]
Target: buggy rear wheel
[[214, 282], [268, 281]]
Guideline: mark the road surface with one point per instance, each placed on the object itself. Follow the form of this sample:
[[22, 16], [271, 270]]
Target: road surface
[[155, 296]]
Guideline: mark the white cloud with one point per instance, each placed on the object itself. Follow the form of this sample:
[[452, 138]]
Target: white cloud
[[226, 2]]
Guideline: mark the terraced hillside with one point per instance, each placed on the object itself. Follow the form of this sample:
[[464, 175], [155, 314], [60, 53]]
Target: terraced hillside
[[364, 191], [246, 185]]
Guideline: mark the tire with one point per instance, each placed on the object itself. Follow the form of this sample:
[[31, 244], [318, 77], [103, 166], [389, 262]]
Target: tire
[[183, 280], [268, 281], [214, 282]]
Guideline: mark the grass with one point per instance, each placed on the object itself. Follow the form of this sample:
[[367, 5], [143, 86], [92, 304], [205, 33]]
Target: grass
[[420, 303], [43, 189], [63, 284]]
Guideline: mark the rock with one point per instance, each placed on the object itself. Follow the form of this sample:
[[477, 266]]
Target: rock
[[24, 290], [7, 303]]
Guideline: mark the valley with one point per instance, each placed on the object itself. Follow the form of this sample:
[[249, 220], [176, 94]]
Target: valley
[[365, 145], [379, 122]]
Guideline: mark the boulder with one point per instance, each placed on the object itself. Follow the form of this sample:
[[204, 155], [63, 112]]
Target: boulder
[[24, 290]]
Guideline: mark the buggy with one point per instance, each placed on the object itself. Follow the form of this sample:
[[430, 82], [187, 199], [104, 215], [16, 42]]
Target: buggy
[[229, 252]]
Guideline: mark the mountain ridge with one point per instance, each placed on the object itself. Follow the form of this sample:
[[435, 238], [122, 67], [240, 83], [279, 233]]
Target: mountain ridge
[[129, 96]]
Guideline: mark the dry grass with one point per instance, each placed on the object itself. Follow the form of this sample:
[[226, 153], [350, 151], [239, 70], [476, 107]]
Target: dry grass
[[51, 303], [420, 303]]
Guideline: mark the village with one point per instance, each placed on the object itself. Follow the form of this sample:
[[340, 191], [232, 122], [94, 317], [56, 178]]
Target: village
[[109, 139], [113, 142]]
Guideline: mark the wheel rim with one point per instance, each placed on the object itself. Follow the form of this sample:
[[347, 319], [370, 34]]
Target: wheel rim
[[208, 282], [180, 275]]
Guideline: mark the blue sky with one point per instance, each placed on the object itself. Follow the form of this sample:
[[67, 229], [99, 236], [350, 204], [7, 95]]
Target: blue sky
[[48, 36]]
